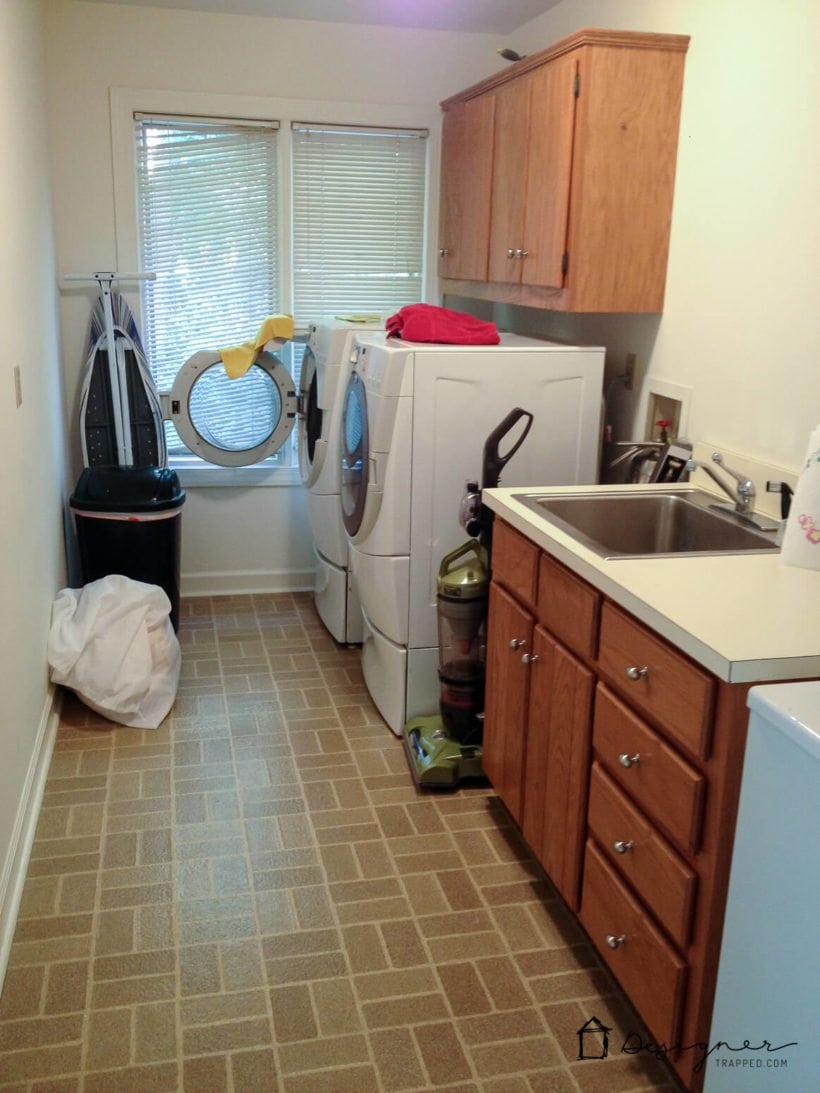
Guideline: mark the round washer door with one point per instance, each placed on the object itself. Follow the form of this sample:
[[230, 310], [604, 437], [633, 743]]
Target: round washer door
[[354, 444], [311, 450], [233, 423]]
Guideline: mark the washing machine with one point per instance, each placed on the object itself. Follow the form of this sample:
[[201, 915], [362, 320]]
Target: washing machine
[[325, 366], [232, 422], [414, 421]]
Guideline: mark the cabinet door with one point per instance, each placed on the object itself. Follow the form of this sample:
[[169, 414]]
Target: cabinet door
[[556, 763], [510, 637], [623, 177], [512, 112], [466, 181], [549, 166]]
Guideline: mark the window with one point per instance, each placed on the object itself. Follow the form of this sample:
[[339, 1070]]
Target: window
[[213, 220], [207, 209], [358, 219]]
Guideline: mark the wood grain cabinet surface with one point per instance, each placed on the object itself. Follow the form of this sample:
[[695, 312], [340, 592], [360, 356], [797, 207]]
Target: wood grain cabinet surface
[[466, 188], [574, 162], [507, 698], [625, 785]]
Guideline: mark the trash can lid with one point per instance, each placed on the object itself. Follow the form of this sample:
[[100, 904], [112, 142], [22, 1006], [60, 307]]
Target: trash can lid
[[127, 489]]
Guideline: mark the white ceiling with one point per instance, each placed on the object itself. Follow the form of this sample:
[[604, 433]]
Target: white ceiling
[[481, 16]]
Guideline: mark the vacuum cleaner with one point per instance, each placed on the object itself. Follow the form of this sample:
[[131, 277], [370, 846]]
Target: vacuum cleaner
[[446, 748]]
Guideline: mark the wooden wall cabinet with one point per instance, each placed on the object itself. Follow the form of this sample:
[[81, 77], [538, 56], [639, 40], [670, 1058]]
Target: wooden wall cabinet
[[466, 187], [620, 759], [582, 150]]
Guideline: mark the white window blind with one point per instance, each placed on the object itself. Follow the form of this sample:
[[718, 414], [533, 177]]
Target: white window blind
[[208, 219], [358, 217]]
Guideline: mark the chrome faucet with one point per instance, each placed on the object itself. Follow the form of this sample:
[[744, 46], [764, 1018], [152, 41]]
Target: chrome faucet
[[743, 494]]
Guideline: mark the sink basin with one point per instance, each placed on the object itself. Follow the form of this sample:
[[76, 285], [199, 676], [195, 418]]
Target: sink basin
[[650, 524]]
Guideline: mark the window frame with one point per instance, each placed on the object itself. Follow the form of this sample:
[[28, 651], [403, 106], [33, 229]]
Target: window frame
[[124, 102]]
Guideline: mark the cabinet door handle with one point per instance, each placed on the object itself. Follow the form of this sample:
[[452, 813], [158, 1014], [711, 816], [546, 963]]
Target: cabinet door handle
[[443, 252], [637, 673], [629, 760], [622, 846], [510, 252], [521, 253], [517, 643], [529, 658], [614, 940]]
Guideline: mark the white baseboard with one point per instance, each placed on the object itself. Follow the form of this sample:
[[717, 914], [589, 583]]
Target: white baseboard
[[13, 873], [246, 583]]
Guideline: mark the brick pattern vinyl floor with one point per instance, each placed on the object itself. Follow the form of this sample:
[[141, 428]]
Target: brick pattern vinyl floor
[[255, 897]]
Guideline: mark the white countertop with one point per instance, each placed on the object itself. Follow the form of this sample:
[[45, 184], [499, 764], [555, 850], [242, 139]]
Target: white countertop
[[745, 617]]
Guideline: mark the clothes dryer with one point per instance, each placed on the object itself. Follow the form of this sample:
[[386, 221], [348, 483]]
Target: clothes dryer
[[325, 367], [414, 421]]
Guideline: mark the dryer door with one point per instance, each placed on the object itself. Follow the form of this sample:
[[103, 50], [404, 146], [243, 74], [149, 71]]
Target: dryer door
[[233, 423], [354, 453], [311, 452]]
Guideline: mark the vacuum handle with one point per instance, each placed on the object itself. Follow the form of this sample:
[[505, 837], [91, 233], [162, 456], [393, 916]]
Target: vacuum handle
[[494, 462], [472, 546]]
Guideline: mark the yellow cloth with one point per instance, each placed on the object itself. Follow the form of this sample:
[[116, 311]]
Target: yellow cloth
[[238, 358]]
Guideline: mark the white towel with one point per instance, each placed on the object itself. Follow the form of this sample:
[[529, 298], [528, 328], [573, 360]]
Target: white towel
[[801, 541]]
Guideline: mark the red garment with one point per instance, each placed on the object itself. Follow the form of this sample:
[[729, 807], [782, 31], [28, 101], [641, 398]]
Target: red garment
[[427, 323]]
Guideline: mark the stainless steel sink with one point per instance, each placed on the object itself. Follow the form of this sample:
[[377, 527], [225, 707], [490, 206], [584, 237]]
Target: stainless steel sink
[[650, 524]]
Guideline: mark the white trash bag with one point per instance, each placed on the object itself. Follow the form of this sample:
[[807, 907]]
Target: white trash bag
[[112, 643]]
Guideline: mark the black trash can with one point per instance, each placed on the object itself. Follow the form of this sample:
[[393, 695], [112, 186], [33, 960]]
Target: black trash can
[[128, 521]]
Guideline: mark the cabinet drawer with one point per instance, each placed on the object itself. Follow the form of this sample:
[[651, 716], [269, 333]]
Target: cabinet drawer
[[515, 562], [665, 786], [568, 606], [647, 967], [660, 876], [657, 679]]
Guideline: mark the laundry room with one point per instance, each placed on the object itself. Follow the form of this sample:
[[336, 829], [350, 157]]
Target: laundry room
[[262, 893]]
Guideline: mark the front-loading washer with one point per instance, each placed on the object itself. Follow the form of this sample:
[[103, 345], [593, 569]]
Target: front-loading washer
[[415, 418], [325, 367], [202, 391]]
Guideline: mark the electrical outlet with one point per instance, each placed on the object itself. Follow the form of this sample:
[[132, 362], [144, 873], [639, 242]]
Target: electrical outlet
[[629, 371], [18, 386]]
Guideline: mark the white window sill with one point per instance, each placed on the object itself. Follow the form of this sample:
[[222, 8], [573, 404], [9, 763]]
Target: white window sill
[[193, 472]]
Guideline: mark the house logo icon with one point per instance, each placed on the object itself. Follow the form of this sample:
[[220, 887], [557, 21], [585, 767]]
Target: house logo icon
[[593, 1039]]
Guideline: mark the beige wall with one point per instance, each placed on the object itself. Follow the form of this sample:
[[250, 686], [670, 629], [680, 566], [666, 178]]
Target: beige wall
[[741, 323], [741, 330], [92, 48], [31, 439]]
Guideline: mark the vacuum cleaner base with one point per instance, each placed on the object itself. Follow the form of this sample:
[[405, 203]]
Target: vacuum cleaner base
[[436, 760]]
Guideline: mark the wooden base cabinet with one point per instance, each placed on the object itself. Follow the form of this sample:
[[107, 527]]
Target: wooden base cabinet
[[539, 703], [583, 146], [620, 759], [556, 759], [507, 699]]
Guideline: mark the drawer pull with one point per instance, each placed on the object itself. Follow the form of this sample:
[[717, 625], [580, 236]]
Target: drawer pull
[[637, 673], [613, 942], [517, 643], [443, 252], [510, 252], [629, 760], [529, 658], [521, 253], [622, 846]]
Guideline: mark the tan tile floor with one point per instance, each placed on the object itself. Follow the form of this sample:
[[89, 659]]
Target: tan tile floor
[[254, 897]]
